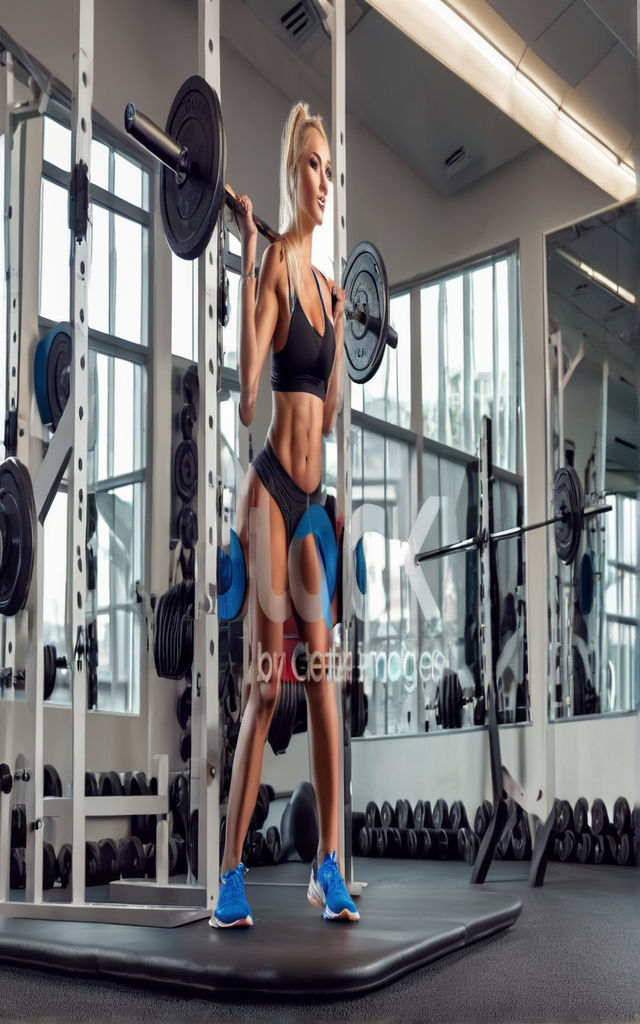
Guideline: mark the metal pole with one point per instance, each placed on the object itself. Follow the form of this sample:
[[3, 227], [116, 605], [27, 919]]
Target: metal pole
[[205, 763], [79, 403]]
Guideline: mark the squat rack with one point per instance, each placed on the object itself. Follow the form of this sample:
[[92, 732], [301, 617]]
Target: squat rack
[[67, 453]]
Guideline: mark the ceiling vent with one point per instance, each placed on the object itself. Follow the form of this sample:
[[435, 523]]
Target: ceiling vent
[[456, 161], [294, 23]]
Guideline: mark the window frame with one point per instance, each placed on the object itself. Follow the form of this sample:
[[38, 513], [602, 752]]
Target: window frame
[[118, 348]]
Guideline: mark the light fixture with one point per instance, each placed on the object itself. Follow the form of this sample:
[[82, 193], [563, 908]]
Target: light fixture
[[452, 40], [595, 275]]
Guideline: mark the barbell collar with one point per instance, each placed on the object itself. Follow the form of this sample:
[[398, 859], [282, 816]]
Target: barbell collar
[[372, 323], [157, 142]]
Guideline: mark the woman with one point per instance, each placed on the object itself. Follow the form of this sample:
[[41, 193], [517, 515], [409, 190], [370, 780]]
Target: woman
[[290, 308]]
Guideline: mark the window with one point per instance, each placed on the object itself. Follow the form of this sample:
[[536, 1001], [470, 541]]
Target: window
[[415, 624], [622, 652], [470, 356], [119, 220], [386, 628], [388, 394]]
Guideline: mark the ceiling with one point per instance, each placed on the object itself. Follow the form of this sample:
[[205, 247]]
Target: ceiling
[[435, 122]]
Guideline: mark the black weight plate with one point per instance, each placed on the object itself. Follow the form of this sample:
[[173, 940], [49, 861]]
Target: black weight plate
[[188, 417], [599, 817], [192, 843], [17, 869], [458, 816], [367, 287], [568, 503], [6, 778], [49, 866], [585, 583], [110, 784], [187, 526], [17, 535], [622, 816], [64, 864], [387, 815], [108, 860], [93, 864], [52, 781], [49, 670], [365, 840], [440, 814], [18, 826], [372, 815], [581, 814], [190, 211], [183, 710], [185, 470]]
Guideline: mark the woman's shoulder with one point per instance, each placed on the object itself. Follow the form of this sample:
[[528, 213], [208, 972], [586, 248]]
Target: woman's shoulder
[[273, 263]]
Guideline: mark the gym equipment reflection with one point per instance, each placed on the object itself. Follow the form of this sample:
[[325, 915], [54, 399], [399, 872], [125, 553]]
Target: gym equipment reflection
[[593, 416]]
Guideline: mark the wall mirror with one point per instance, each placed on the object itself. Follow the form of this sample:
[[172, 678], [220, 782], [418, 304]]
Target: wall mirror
[[592, 381]]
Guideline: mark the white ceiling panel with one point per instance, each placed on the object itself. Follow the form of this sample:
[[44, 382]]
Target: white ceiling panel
[[605, 98], [574, 43], [530, 17], [621, 17]]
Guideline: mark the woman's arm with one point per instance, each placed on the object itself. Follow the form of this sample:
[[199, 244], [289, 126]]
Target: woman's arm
[[333, 401], [258, 310]]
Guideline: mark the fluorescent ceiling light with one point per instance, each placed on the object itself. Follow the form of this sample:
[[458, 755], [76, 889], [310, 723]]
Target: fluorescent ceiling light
[[605, 282], [443, 33]]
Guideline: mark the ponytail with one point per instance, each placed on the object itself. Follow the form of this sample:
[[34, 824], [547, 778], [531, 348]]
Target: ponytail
[[298, 123]]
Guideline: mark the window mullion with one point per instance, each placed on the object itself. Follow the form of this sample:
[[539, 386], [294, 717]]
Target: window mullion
[[468, 368]]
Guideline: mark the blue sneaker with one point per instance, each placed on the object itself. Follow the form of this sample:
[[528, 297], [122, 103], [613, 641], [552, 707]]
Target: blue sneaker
[[327, 890], [232, 910]]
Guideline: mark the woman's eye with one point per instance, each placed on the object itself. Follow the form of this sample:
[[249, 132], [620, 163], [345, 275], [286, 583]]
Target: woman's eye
[[314, 164], [329, 174]]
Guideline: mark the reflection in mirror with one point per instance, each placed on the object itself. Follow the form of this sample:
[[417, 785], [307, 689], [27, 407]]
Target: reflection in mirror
[[592, 281]]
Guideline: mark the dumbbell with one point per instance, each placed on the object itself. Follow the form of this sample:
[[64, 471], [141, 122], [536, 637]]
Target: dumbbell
[[110, 784], [130, 858], [422, 816]]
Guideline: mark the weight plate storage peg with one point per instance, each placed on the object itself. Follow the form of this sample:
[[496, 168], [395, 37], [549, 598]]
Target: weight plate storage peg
[[190, 207], [366, 331], [17, 535]]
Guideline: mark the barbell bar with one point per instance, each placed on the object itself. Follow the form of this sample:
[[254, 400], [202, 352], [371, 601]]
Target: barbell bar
[[570, 515]]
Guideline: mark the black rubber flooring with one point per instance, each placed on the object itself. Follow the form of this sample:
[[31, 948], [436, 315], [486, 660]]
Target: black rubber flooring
[[404, 924]]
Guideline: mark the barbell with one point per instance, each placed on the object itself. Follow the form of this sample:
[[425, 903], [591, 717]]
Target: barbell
[[568, 518], [193, 149]]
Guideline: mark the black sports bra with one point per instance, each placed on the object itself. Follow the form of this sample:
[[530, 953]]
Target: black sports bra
[[304, 362]]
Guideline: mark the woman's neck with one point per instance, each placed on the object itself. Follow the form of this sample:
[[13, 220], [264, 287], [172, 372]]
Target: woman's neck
[[303, 243]]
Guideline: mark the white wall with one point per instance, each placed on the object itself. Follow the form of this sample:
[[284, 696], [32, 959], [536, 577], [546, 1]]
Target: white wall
[[145, 58]]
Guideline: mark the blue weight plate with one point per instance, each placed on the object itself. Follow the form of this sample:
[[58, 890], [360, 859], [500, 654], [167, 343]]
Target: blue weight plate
[[232, 580]]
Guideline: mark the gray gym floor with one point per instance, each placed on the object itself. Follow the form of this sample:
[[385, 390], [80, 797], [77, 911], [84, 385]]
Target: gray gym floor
[[573, 954]]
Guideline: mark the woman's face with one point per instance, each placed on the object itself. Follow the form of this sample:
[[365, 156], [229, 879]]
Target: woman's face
[[314, 177]]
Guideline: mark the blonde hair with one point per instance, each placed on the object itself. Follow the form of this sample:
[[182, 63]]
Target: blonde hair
[[294, 135]]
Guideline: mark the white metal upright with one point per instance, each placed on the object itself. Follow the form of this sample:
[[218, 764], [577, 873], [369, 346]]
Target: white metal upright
[[337, 18], [205, 763], [78, 401]]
